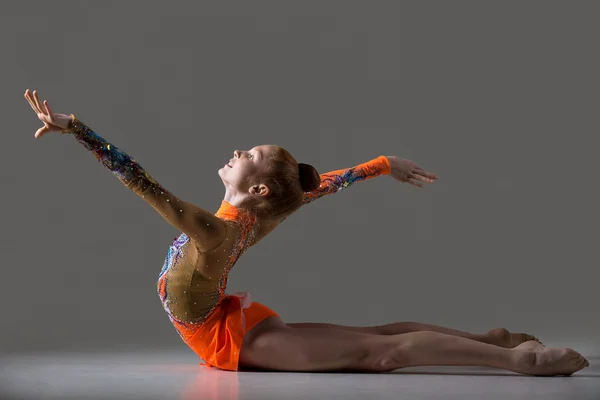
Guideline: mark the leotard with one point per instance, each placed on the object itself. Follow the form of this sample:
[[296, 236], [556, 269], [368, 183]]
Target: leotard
[[191, 284]]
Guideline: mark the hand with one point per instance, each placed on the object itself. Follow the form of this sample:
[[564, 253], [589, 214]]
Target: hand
[[52, 122], [407, 171]]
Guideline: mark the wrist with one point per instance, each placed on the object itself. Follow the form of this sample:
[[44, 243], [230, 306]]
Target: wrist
[[64, 122], [388, 162]]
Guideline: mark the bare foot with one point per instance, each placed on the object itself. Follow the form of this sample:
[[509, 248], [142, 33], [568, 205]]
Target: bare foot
[[503, 338], [532, 358]]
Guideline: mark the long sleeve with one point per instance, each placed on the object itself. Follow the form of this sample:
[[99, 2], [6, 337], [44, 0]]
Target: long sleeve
[[334, 181], [200, 225]]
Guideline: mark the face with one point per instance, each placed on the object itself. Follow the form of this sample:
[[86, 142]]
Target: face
[[244, 164]]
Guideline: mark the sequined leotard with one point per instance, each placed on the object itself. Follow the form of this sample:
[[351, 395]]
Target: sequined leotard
[[192, 282]]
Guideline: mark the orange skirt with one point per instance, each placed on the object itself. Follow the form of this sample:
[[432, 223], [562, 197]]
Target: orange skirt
[[219, 340]]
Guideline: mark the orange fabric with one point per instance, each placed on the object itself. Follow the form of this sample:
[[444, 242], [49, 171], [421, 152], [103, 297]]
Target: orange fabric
[[219, 339]]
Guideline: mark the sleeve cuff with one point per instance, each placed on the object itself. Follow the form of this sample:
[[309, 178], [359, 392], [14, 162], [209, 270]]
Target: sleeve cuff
[[69, 128], [387, 167]]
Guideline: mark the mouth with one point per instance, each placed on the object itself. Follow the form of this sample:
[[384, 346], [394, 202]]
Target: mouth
[[228, 165]]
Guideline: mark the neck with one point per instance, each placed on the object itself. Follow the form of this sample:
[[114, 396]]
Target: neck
[[244, 202], [236, 200]]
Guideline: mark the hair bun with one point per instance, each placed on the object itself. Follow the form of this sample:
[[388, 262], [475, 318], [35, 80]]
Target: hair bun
[[309, 177]]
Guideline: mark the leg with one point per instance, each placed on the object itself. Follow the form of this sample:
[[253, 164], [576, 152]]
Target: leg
[[499, 336], [273, 345]]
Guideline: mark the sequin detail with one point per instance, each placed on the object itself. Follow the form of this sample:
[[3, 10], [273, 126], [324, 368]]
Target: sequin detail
[[118, 162], [334, 181]]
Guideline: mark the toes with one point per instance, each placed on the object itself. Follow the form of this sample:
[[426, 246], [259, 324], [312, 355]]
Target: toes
[[536, 339], [523, 337], [581, 361], [513, 339], [533, 338], [526, 338], [584, 362]]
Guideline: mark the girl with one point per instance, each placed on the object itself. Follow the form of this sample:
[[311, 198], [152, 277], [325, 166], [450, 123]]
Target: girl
[[263, 186]]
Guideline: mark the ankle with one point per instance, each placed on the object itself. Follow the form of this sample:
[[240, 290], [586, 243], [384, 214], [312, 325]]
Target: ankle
[[522, 358], [382, 356]]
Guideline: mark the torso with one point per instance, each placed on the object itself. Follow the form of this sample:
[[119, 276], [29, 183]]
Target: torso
[[192, 282]]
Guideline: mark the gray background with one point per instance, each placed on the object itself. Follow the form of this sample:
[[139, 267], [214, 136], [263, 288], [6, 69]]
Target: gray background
[[498, 98]]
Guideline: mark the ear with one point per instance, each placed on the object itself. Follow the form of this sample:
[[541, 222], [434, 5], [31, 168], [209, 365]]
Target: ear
[[259, 190]]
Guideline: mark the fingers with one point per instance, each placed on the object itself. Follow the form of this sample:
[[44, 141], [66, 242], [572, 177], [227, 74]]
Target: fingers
[[31, 102], [40, 108], [36, 99], [416, 178], [36, 104], [50, 114], [421, 171], [422, 176], [415, 182], [44, 129]]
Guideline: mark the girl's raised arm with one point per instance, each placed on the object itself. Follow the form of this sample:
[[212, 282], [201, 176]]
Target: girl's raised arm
[[204, 228], [334, 181], [200, 225]]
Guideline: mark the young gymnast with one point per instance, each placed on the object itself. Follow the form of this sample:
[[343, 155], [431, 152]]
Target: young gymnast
[[263, 186]]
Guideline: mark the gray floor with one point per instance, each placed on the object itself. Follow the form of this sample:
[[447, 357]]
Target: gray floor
[[169, 375]]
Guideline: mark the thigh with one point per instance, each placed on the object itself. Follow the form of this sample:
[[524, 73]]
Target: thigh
[[256, 313], [372, 330], [274, 345]]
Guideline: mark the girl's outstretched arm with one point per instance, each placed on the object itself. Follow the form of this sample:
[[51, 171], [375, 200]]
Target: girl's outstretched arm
[[334, 181], [400, 169], [200, 225]]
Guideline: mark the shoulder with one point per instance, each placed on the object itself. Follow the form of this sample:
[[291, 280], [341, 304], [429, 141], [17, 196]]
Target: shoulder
[[209, 231]]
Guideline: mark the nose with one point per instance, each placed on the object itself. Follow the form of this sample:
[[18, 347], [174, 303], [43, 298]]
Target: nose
[[236, 153]]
